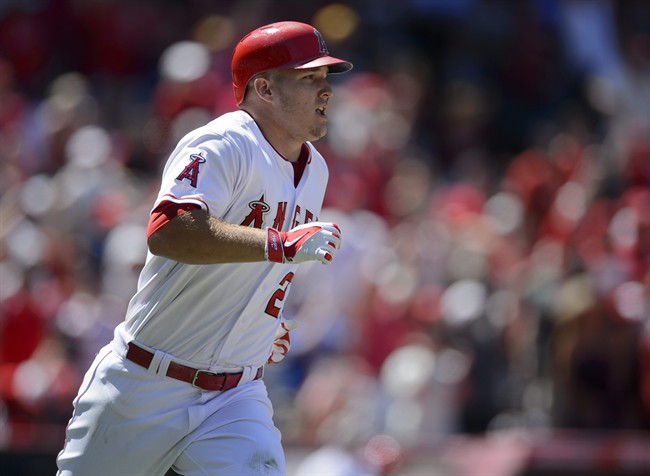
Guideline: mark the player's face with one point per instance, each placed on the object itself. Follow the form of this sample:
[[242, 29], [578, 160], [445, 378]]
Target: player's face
[[301, 105]]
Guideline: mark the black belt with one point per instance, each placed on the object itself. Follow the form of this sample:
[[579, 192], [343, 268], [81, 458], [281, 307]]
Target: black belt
[[203, 379]]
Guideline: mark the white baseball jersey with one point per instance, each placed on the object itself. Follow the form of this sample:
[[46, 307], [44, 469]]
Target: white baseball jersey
[[224, 316]]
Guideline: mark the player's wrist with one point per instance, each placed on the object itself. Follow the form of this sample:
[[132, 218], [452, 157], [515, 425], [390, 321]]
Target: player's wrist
[[274, 250]]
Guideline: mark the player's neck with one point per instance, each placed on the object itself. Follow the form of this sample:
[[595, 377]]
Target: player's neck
[[277, 136]]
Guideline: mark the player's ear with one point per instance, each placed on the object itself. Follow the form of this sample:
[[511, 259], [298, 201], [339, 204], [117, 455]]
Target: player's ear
[[262, 88]]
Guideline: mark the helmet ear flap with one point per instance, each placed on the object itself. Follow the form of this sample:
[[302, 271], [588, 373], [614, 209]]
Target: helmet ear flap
[[281, 45]]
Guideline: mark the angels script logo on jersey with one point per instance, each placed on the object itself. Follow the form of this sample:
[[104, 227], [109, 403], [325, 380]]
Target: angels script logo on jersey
[[191, 172], [259, 208]]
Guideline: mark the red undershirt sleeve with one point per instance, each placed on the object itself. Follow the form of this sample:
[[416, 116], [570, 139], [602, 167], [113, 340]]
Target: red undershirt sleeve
[[164, 212]]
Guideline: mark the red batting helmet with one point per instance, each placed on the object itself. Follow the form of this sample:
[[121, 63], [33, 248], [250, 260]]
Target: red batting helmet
[[282, 45]]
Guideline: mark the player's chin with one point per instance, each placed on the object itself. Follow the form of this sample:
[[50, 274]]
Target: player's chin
[[318, 132]]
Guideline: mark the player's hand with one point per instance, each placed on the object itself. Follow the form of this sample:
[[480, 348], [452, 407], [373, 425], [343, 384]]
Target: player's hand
[[282, 342], [312, 241]]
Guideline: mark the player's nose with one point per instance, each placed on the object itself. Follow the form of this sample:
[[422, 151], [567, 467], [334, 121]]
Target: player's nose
[[326, 92]]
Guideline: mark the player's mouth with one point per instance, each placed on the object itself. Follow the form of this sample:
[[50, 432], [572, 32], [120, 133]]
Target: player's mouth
[[321, 111]]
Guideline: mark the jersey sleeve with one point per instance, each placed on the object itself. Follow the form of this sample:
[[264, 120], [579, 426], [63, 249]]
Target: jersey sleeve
[[204, 171], [164, 212]]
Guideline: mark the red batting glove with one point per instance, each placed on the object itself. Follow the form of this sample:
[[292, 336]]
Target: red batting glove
[[282, 342], [311, 241]]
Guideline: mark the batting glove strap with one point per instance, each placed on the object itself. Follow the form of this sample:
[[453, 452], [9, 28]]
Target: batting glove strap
[[274, 251]]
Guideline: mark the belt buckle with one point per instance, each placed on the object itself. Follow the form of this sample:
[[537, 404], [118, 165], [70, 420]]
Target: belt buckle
[[196, 376]]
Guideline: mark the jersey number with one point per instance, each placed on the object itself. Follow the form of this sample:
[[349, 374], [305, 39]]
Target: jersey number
[[274, 306]]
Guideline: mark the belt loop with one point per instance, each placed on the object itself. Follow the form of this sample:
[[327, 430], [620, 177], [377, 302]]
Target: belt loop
[[155, 362], [248, 374], [164, 364]]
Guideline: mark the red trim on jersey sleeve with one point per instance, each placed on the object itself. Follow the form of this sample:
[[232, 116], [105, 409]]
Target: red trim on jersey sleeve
[[164, 212]]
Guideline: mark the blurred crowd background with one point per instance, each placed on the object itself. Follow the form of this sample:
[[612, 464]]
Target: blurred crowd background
[[489, 312]]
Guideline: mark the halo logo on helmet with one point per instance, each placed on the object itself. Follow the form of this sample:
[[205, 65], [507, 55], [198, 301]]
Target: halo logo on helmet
[[321, 42], [282, 45]]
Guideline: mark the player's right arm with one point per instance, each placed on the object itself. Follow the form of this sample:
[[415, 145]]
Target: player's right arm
[[188, 234], [193, 236]]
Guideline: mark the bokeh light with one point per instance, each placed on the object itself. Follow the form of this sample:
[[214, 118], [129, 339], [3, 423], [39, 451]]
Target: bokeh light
[[88, 147], [185, 61], [336, 21], [38, 195], [407, 370], [463, 301], [216, 32]]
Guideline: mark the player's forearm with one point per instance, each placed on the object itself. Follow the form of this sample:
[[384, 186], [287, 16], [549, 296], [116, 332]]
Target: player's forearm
[[196, 238]]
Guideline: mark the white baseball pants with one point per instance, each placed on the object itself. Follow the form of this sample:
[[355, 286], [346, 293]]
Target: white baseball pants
[[129, 421]]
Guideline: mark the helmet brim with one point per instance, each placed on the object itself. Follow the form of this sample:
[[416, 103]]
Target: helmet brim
[[334, 65]]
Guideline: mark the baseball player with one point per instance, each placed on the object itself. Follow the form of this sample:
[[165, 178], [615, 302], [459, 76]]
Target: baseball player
[[180, 385]]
